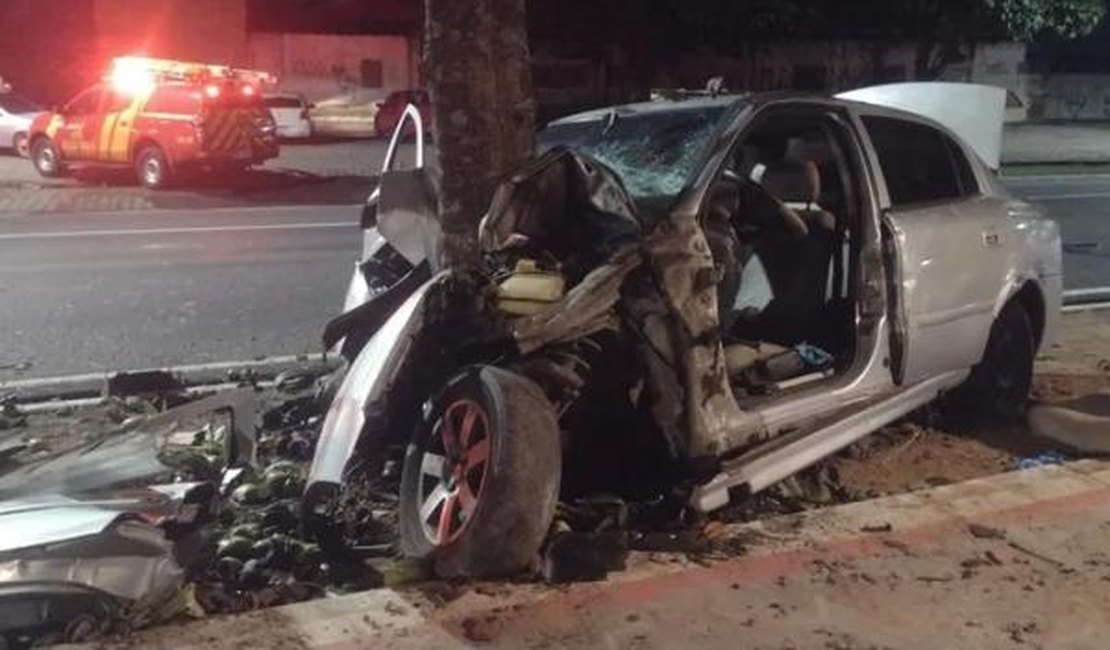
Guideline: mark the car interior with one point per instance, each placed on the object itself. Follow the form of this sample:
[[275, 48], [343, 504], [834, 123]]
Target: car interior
[[779, 221]]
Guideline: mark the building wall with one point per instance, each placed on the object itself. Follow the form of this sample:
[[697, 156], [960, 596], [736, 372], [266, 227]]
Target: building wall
[[202, 30], [46, 70], [340, 68]]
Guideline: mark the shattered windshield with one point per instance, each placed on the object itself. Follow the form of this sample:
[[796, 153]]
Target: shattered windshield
[[655, 153]]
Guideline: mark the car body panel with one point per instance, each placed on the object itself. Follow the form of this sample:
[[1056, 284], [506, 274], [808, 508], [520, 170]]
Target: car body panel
[[14, 119], [367, 382]]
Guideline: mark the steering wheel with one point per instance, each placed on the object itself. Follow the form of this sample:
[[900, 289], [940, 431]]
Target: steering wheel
[[762, 210]]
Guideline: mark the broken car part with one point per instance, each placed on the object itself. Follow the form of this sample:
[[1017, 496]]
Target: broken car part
[[140, 450]]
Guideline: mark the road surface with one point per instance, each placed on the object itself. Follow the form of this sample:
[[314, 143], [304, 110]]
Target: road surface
[[1081, 204], [88, 292], [97, 292]]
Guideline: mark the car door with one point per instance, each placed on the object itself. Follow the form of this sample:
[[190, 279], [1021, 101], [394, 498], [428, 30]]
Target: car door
[[77, 137], [947, 246]]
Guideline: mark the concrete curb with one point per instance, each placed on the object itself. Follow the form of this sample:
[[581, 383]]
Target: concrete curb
[[779, 547], [93, 386]]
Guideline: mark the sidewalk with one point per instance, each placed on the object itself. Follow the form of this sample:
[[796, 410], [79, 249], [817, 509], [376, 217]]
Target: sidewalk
[[1034, 143], [1015, 559]]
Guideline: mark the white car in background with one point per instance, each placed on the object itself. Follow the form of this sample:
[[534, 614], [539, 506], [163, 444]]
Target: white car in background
[[16, 115], [290, 112]]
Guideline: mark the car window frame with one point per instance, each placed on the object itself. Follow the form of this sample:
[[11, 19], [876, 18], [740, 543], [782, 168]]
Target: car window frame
[[952, 145]]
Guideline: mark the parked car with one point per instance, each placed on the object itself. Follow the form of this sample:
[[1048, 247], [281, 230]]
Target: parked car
[[706, 295], [291, 114], [343, 120], [160, 118], [16, 116], [391, 109]]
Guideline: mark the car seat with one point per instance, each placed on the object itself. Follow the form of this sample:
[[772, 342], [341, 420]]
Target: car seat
[[797, 267]]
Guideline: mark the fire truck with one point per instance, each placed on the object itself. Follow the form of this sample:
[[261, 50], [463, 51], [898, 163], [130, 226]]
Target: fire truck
[[161, 118]]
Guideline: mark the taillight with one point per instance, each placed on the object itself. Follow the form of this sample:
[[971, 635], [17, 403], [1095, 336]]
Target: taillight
[[212, 91]]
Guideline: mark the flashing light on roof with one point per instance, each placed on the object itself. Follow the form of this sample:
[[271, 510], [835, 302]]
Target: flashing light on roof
[[248, 90], [212, 91], [130, 76]]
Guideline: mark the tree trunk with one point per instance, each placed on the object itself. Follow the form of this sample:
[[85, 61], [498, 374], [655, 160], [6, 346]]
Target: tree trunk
[[479, 73]]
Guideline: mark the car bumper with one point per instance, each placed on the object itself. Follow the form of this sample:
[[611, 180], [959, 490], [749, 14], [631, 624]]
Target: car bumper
[[294, 131]]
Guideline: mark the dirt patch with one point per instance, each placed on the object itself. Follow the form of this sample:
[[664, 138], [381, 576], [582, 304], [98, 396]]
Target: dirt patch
[[911, 457]]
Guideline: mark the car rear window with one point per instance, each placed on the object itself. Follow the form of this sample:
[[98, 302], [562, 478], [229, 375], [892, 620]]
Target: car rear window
[[16, 104], [920, 164], [283, 102], [177, 100]]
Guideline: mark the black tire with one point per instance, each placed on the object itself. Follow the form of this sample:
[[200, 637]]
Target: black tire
[[21, 145], [513, 493], [998, 387], [153, 168], [46, 158]]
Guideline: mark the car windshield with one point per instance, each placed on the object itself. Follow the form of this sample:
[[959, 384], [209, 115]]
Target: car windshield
[[16, 104], [656, 153]]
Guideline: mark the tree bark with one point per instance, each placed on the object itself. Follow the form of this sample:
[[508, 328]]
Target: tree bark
[[479, 73]]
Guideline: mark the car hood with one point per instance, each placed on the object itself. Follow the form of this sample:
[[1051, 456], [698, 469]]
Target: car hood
[[974, 112]]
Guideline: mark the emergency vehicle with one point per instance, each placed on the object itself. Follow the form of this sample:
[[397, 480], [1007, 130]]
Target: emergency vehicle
[[161, 118]]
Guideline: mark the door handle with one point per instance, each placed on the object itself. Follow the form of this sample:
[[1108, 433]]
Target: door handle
[[991, 238]]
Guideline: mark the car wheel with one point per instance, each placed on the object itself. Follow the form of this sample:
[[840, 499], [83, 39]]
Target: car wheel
[[481, 478], [45, 157], [999, 385], [152, 168], [21, 146]]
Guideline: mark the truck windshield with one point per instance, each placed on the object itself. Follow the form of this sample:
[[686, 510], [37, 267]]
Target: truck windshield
[[656, 153]]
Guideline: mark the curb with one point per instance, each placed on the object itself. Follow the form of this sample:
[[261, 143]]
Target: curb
[[92, 387], [782, 547]]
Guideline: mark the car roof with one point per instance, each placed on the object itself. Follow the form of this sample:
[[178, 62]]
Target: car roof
[[680, 104], [652, 107]]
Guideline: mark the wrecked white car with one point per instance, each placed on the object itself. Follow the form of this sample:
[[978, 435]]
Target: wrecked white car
[[706, 295]]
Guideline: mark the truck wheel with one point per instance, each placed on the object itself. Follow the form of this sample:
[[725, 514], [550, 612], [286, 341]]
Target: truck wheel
[[21, 146], [152, 167], [45, 157], [481, 478], [998, 387]]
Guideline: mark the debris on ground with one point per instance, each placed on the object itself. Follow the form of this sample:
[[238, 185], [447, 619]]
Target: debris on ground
[[979, 531], [1082, 423], [216, 482]]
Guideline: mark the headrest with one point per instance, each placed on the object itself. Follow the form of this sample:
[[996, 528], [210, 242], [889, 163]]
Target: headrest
[[792, 181]]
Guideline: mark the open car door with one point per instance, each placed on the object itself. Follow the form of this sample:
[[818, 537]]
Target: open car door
[[400, 243]]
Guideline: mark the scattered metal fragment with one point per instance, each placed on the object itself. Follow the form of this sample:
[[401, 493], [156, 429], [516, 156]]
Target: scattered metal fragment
[[980, 531], [141, 383], [877, 528], [1040, 556], [583, 557]]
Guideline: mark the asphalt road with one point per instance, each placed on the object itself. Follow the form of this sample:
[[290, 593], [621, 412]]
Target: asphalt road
[[87, 292], [1081, 205], [95, 292]]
